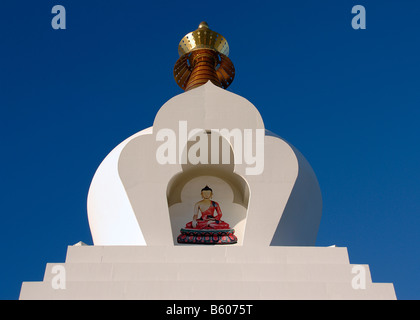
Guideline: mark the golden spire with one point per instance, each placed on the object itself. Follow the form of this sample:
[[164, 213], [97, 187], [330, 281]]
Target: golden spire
[[203, 57]]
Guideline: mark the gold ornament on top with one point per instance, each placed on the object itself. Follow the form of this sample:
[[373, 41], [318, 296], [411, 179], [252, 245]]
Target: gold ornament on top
[[203, 38], [203, 57]]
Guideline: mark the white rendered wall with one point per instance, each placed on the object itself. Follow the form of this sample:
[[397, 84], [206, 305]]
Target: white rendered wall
[[136, 206], [111, 217], [128, 198]]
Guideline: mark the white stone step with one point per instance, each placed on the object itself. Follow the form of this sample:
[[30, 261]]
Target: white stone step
[[202, 254], [195, 272], [204, 290], [170, 271]]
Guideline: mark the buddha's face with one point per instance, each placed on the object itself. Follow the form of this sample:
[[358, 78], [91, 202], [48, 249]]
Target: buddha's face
[[206, 194]]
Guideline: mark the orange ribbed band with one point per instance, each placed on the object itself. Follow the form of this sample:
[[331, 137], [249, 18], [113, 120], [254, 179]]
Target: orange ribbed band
[[203, 63]]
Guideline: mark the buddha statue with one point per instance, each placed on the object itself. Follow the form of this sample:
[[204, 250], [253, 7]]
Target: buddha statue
[[206, 226]]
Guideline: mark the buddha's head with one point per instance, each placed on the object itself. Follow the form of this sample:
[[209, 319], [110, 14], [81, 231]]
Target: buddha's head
[[206, 192]]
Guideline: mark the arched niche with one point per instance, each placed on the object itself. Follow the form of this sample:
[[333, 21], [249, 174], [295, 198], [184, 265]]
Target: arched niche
[[230, 190]]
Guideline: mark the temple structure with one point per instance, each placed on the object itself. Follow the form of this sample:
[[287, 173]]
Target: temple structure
[[206, 200]]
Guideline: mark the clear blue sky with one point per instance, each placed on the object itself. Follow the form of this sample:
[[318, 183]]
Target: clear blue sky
[[347, 99]]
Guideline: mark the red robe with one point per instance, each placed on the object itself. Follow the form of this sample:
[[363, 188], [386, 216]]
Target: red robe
[[202, 223]]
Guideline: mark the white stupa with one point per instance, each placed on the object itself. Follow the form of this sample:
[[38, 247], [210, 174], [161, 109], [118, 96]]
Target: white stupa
[[205, 200]]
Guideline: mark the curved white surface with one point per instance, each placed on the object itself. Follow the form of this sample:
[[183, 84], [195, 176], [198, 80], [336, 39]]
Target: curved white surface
[[128, 203], [111, 218]]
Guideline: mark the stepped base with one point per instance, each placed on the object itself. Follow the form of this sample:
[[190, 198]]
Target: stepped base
[[226, 273]]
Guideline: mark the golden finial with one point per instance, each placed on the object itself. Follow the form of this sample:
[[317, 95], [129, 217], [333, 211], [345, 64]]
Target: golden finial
[[203, 24], [203, 38], [203, 57]]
